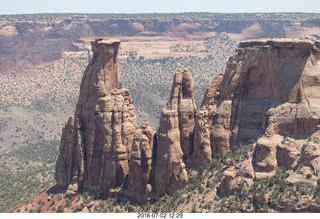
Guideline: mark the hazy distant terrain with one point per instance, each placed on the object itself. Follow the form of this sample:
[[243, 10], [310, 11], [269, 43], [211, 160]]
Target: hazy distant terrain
[[43, 57]]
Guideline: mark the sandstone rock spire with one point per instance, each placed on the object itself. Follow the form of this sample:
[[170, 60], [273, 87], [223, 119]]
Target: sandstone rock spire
[[204, 145], [108, 121], [175, 135], [268, 93]]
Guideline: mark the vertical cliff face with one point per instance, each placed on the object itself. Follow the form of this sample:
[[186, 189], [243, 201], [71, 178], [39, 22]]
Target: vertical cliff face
[[70, 163], [271, 88], [269, 93], [270, 74]]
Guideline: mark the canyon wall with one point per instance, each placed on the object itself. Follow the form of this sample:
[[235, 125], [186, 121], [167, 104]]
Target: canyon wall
[[32, 40]]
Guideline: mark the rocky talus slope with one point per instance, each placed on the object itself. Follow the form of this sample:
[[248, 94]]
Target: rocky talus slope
[[256, 134]]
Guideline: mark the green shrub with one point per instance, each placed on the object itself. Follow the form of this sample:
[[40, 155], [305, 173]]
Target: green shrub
[[60, 209], [85, 195], [68, 202], [194, 208], [78, 208]]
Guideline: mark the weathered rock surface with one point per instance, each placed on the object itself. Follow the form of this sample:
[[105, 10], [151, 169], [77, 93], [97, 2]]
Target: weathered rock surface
[[288, 154], [308, 165], [101, 146], [237, 176], [140, 164], [175, 136], [182, 101], [115, 126], [204, 147], [270, 92], [70, 163], [202, 153], [108, 118]]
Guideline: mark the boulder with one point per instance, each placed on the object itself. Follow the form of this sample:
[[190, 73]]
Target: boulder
[[288, 154]]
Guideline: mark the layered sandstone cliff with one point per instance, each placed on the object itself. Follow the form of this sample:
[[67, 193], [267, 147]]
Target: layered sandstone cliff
[[269, 93], [264, 81]]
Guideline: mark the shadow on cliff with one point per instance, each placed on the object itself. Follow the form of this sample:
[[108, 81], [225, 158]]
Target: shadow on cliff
[[56, 189], [258, 91]]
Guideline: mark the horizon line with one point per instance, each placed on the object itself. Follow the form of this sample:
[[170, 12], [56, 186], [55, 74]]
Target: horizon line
[[149, 13]]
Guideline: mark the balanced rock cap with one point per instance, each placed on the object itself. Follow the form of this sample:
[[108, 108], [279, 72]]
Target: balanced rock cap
[[108, 41]]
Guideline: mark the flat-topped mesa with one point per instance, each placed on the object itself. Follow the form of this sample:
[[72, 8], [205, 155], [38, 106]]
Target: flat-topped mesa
[[107, 123], [306, 43]]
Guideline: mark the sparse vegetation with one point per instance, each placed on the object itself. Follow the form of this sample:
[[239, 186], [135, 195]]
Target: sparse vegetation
[[44, 152], [22, 185], [60, 209]]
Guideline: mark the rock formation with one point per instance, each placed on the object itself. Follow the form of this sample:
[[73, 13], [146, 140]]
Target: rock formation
[[102, 147], [98, 151], [175, 135], [115, 126], [140, 164], [205, 146], [202, 153], [268, 91], [268, 94], [70, 163]]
